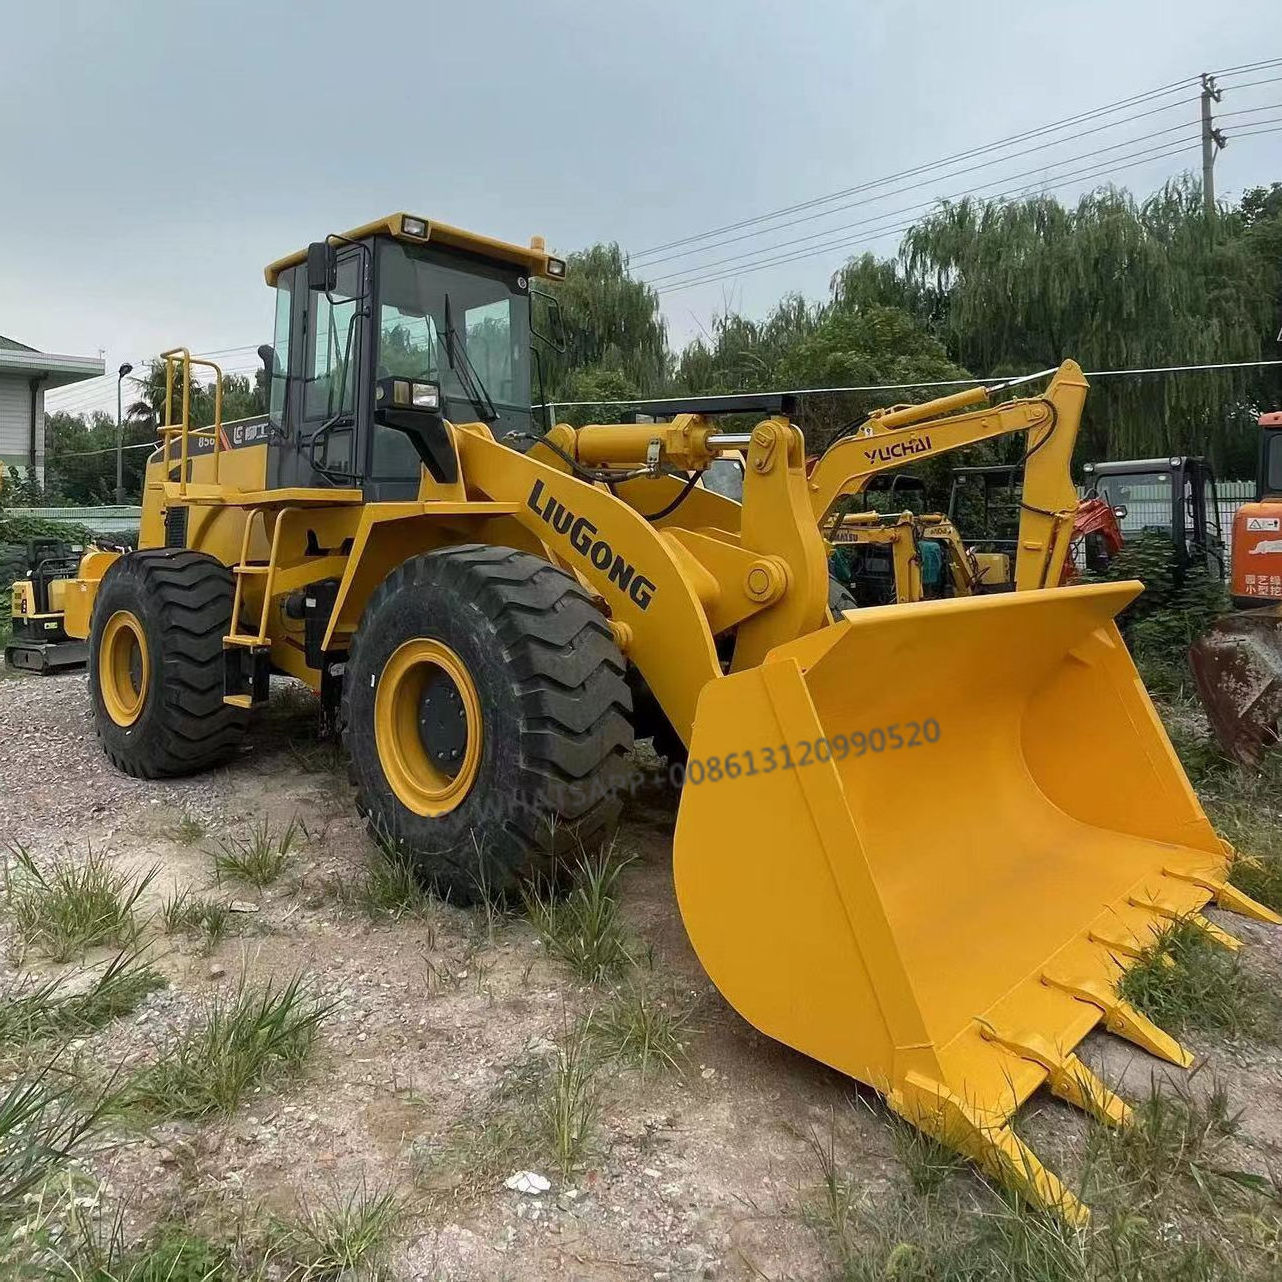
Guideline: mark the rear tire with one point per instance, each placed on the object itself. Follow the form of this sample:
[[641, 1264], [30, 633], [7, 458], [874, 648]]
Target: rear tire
[[156, 663], [529, 758]]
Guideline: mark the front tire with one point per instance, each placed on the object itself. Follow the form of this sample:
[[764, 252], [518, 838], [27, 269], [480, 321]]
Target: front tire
[[156, 663], [486, 716]]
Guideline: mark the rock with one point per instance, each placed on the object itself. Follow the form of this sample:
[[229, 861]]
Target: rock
[[530, 1183], [242, 906], [217, 971], [166, 1157]]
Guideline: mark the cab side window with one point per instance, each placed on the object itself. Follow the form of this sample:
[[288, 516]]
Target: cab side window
[[333, 343]]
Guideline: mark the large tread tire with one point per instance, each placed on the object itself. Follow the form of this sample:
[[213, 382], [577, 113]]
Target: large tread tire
[[555, 712], [183, 600]]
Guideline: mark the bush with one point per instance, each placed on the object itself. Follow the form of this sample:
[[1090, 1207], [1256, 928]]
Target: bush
[[1176, 607]]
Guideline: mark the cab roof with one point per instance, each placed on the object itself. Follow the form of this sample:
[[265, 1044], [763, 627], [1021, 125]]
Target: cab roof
[[533, 259]]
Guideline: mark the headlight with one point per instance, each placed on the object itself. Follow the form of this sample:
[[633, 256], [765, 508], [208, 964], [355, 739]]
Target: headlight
[[414, 226], [556, 267], [427, 396]]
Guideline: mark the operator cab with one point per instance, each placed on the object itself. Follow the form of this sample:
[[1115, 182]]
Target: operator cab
[[1174, 496], [384, 332]]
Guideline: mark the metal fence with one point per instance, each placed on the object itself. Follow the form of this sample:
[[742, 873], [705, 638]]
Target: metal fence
[[114, 519]]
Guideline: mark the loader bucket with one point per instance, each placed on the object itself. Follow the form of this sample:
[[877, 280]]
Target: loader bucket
[[1237, 665], [921, 845]]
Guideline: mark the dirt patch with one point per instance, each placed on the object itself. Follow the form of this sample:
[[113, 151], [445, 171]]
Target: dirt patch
[[709, 1172]]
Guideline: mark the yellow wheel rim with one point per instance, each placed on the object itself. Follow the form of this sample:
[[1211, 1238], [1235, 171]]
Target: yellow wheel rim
[[427, 726], [124, 668]]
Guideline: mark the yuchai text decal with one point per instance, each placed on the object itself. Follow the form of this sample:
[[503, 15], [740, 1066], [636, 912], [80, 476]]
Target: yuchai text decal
[[898, 449], [585, 540]]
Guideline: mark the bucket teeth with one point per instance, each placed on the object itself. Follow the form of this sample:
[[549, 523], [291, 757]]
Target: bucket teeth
[[1125, 947], [1216, 934], [1122, 1018], [1228, 896], [932, 1108], [1066, 1075]]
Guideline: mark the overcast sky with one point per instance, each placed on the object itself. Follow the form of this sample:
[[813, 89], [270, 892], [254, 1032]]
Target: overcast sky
[[157, 156]]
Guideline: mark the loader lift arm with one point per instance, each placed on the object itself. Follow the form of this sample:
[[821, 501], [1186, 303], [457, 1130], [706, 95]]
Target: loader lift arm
[[891, 438]]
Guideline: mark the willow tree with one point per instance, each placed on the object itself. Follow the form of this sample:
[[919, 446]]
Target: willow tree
[[610, 326], [1115, 284]]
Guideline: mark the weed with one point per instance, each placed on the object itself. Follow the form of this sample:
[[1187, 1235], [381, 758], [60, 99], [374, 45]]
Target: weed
[[189, 830], [97, 1249], [642, 1027], [183, 911], [258, 858], [582, 927], [390, 888], [343, 1237], [40, 1128], [539, 1114], [927, 1163], [1185, 981], [838, 1188], [29, 1012], [74, 905], [1174, 1133], [325, 757], [570, 1101], [244, 1039]]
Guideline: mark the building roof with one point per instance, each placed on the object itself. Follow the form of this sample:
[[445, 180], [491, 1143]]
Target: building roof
[[52, 370]]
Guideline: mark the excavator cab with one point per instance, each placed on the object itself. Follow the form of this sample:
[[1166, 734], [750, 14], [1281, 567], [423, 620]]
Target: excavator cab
[[1176, 497]]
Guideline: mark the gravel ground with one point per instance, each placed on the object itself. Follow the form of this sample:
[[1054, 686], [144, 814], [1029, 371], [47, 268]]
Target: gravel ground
[[706, 1172]]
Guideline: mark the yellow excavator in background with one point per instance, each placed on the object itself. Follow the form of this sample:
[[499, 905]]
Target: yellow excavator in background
[[893, 850]]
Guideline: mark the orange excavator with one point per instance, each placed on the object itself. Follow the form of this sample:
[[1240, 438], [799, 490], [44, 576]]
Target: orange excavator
[[1238, 663]]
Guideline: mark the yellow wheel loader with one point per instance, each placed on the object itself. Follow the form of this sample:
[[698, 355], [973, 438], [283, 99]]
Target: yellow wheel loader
[[893, 851]]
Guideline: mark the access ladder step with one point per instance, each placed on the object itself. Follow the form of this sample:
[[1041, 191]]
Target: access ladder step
[[247, 671]]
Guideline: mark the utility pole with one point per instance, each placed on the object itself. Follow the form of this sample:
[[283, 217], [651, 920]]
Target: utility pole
[[126, 368], [1213, 141]]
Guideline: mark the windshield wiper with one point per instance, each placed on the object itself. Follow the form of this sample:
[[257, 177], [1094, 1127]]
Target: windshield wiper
[[461, 364]]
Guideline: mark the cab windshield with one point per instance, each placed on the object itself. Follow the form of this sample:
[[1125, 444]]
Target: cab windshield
[[461, 323]]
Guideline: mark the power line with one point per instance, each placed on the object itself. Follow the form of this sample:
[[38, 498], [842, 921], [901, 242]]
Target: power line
[[1040, 169], [1068, 121], [1064, 180], [926, 182], [878, 233], [996, 381]]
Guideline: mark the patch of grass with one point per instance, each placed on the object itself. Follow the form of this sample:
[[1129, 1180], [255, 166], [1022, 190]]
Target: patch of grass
[[342, 1237], [245, 1038], [1186, 981], [542, 1115], [41, 1128], [927, 1163], [570, 1101], [73, 905], [583, 927], [642, 1026], [189, 830], [1173, 1134], [97, 1249], [184, 911], [389, 890], [32, 1011], [258, 857], [325, 757]]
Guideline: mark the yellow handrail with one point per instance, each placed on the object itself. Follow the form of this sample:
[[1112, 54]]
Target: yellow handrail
[[183, 429]]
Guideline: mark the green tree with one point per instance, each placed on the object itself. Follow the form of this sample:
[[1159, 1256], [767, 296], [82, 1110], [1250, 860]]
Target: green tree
[[1114, 284], [610, 321]]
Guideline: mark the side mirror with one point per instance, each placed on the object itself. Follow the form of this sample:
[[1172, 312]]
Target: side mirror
[[322, 267], [267, 354]]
